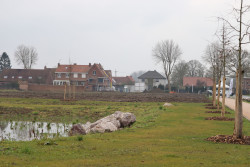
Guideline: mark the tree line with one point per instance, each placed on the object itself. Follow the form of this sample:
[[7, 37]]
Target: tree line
[[228, 53]]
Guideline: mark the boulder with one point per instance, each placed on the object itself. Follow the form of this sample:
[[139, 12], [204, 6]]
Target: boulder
[[77, 129], [109, 123], [167, 105], [125, 119], [87, 127], [102, 127]]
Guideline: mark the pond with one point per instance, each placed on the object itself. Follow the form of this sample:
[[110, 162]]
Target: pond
[[26, 131]]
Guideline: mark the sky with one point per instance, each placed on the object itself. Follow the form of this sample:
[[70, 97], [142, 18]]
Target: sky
[[119, 34]]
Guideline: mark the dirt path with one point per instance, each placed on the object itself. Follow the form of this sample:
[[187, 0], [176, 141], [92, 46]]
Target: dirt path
[[245, 106]]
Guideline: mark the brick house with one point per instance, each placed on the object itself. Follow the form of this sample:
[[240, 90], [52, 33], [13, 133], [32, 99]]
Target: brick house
[[92, 77], [123, 84], [36, 76], [197, 81]]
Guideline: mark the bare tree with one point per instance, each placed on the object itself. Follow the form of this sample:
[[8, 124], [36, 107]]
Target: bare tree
[[196, 69], [167, 53], [180, 70], [241, 29], [26, 56], [136, 74], [223, 36], [232, 61], [211, 57], [219, 69]]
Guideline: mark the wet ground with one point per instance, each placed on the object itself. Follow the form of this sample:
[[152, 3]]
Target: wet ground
[[26, 131]]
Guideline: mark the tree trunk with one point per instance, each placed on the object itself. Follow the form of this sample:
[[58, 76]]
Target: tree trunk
[[223, 97], [238, 108], [218, 97], [169, 86]]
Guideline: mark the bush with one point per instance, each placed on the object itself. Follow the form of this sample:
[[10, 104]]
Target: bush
[[79, 138]]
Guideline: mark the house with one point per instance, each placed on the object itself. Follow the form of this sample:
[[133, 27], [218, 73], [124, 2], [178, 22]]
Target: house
[[123, 84], [71, 74], [149, 80], [37, 76], [92, 77], [197, 81], [195, 84]]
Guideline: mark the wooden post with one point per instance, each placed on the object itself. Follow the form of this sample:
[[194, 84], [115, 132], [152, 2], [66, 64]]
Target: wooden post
[[223, 111], [214, 91], [65, 87]]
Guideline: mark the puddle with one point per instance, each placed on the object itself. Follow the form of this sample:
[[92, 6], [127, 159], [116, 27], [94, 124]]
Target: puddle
[[26, 131]]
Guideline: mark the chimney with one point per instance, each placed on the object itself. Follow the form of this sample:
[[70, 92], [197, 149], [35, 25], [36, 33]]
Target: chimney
[[45, 67], [89, 64], [75, 64], [58, 64]]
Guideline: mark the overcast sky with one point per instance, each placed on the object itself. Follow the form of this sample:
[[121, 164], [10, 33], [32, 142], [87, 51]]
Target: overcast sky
[[119, 34]]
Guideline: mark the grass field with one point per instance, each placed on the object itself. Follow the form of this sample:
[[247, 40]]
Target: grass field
[[173, 136]]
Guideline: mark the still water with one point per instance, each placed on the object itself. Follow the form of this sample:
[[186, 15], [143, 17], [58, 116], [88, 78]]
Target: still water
[[26, 131]]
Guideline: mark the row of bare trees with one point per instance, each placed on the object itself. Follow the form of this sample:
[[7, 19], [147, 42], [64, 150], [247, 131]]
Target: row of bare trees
[[229, 53]]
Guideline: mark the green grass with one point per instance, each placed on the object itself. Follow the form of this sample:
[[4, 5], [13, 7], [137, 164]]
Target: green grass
[[172, 136]]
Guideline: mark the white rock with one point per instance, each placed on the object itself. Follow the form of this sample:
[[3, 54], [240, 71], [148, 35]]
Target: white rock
[[167, 105], [110, 123]]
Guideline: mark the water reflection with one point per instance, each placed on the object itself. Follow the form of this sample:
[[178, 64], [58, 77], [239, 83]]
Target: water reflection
[[25, 131]]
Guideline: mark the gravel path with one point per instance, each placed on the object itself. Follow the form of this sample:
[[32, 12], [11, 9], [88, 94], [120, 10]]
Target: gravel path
[[245, 106]]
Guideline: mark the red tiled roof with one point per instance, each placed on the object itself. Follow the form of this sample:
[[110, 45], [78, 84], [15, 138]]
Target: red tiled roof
[[73, 68], [128, 80], [189, 81]]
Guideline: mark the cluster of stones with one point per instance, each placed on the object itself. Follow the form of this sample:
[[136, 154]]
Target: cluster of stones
[[110, 123]]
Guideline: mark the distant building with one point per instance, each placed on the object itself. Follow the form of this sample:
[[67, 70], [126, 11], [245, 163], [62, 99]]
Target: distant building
[[124, 84], [35, 76], [92, 77], [197, 81], [149, 80]]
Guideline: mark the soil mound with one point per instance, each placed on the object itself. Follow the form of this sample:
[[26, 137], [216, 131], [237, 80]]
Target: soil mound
[[156, 90], [220, 118], [213, 107], [217, 112], [114, 96], [229, 139]]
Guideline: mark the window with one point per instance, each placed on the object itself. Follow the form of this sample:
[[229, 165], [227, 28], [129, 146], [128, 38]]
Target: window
[[58, 75], [67, 75], [13, 77], [75, 75], [90, 80], [82, 83], [30, 77], [5, 77], [94, 72], [83, 75], [156, 80], [20, 77], [100, 80], [39, 77]]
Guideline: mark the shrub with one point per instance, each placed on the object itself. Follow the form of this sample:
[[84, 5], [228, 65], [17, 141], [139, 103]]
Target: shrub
[[79, 138]]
